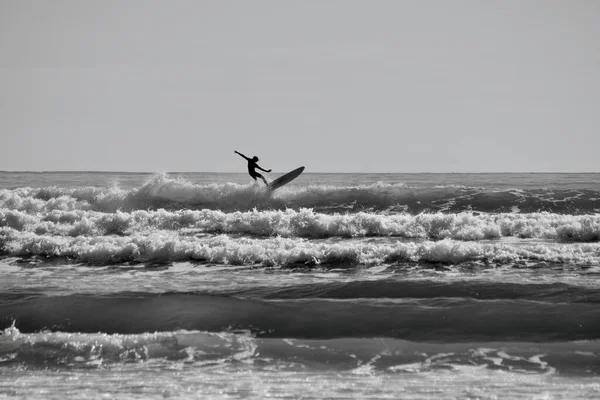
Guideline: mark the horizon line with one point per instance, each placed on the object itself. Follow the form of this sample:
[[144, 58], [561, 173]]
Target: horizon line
[[309, 172]]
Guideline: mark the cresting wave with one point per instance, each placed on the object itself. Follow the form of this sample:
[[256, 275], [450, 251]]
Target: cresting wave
[[169, 220], [307, 223], [98, 350], [173, 194], [165, 246]]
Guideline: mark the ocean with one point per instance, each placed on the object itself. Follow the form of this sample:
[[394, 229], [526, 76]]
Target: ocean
[[339, 286]]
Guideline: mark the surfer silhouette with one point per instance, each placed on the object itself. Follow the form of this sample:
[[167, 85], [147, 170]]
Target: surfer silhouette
[[253, 166]]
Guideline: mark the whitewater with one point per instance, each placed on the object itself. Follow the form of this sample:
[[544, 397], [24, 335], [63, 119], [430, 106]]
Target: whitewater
[[187, 285]]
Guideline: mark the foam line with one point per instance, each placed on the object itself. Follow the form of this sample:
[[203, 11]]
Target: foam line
[[307, 223], [168, 246]]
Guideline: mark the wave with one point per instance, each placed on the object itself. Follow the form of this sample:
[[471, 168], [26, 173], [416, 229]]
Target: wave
[[360, 355], [164, 246], [452, 320], [99, 350], [164, 192], [310, 224]]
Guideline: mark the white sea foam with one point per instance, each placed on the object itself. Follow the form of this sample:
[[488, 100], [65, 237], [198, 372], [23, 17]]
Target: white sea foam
[[169, 246], [164, 192], [95, 349], [310, 224]]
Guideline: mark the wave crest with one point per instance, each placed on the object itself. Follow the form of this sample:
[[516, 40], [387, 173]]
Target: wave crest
[[164, 192], [310, 224], [165, 246]]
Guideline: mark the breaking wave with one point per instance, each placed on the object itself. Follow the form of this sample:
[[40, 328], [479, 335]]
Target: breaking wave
[[169, 220], [164, 246], [173, 194], [360, 355], [307, 223]]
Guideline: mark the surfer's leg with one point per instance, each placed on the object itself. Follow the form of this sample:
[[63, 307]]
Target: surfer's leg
[[262, 177], [257, 175]]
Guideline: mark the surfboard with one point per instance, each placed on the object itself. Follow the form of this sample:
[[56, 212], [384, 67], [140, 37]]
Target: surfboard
[[285, 179]]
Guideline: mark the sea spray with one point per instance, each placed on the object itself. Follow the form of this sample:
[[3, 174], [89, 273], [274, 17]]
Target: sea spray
[[162, 191]]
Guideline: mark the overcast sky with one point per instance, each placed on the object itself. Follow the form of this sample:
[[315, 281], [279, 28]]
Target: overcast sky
[[337, 86]]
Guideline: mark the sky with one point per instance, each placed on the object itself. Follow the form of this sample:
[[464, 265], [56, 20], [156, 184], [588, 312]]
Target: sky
[[336, 86]]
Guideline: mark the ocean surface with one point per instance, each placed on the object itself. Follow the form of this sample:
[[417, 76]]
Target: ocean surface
[[341, 286]]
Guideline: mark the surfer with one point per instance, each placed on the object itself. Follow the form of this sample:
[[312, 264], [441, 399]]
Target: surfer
[[252, 166]]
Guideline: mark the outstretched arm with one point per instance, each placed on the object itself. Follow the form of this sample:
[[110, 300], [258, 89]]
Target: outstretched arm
[[237, 152], [262, 169]]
